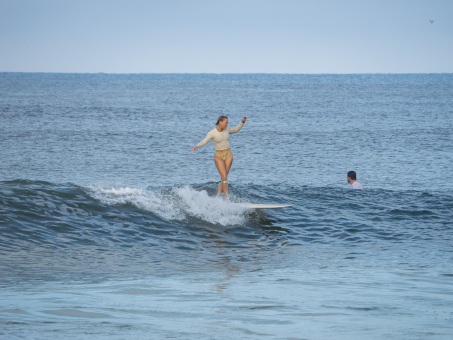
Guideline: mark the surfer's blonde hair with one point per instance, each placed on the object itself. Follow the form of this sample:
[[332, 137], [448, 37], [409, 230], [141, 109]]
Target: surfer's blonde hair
[[220, 119]]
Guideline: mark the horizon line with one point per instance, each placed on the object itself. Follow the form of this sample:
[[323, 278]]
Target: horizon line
[[230, 73]]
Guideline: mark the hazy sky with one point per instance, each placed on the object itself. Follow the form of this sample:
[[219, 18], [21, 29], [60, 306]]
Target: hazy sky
[[228, 36]]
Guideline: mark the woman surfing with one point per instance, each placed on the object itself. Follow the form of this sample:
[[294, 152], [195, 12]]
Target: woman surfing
[[223, 156]]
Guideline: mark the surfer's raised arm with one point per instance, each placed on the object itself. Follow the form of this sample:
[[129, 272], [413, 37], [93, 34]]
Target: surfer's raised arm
[[238, 127]]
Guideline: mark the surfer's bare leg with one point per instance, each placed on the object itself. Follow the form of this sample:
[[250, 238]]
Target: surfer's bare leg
[[223, 166], [219, 189]]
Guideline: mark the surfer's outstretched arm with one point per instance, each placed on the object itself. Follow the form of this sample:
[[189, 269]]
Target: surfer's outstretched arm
[[208, 137]]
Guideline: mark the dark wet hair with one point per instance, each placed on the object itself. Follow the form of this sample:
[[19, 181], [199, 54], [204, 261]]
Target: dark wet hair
[[352, 175], [220, 119]]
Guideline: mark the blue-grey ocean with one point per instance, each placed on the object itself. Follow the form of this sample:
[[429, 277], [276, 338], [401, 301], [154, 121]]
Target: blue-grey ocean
[[110, 228]]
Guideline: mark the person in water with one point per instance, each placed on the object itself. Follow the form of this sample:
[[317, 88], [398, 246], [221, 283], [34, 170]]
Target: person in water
[[352, 179], [223, 156]]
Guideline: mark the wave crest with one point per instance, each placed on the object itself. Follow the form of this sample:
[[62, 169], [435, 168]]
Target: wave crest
[[174, 204]]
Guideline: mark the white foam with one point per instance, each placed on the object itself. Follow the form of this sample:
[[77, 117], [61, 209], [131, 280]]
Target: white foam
[[177, 204], [211, 209], [152, 201]]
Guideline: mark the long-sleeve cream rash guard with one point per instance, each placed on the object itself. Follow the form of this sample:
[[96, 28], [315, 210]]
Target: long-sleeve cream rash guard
[[220, 139]]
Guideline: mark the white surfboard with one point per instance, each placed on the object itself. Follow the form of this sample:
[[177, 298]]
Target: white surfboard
[[262, 206]]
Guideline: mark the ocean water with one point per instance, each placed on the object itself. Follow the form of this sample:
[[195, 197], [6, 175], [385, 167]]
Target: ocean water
[[110, 228]]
